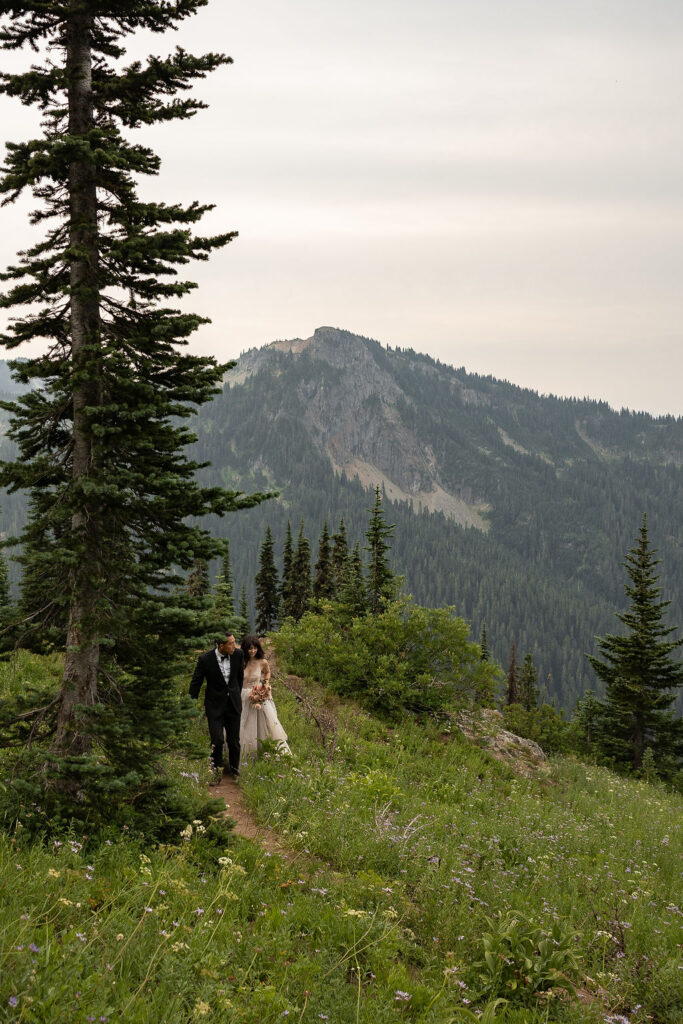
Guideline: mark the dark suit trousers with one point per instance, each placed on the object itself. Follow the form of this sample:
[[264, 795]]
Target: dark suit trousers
[[224, 720]]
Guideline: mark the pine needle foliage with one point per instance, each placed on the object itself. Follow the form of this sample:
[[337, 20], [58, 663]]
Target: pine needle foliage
[[640, 672], [512, 678], [287, 582], [484, 644], [100, 435], [528, 678], [197, 584], [224, 590], [225, 619], [267, 596], [381, 582], [6, 603], [301, 575], [340, 555], [353, 594], [243, 625], [323, 582]]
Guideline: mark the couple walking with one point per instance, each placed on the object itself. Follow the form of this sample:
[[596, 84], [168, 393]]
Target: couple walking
[[232, 711]]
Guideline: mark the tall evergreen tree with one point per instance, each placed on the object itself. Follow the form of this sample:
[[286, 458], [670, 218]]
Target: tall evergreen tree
[[528, 690], [640, 673], [587, 720], [512, 678], [484, 644], [100, 438], [195, 598], [244, 618], [224, 589], [267, 596], [340, 555], [301, 575], [223, 617], [323, 582], [353, 595], [287, 583], [381, 582], [197, 585]]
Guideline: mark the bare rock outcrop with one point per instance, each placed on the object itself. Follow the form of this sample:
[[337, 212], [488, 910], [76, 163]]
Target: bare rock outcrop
[[486, 728]]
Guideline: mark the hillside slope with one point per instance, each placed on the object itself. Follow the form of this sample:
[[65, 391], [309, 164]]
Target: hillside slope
[[404, 848]]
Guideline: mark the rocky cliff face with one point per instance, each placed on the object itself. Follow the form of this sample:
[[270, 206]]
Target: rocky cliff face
[[440, 439], [356, 418], [351, 411]]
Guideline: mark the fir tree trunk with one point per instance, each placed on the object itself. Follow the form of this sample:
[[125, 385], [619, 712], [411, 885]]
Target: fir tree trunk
[[79, 685]]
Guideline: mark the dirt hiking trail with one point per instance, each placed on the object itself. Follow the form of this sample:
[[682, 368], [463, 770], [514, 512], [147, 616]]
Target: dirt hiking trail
[[236, 808]]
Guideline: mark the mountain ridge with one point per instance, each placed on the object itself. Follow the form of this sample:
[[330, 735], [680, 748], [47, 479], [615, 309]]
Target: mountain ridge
[[546, 494], [516, 509]]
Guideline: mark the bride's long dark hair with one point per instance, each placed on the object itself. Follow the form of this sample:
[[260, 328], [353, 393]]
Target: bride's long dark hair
[[252, 641]]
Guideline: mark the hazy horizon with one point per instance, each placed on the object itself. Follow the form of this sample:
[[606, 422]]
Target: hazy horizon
[[497, 183], [457, 366]]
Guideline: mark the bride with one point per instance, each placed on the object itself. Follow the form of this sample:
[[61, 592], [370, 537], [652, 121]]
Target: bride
[[259, 717]]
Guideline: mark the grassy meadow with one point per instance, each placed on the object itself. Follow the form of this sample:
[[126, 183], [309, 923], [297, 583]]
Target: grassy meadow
[[428, 883]]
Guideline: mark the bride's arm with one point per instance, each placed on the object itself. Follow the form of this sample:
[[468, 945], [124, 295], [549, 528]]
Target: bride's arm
[[265, 671]]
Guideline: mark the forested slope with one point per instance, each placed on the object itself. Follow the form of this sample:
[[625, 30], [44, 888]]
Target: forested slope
[[557, 486], [513, 507]]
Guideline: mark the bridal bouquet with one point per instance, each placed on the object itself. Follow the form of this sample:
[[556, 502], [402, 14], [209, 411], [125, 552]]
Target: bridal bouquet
[[259, 694]]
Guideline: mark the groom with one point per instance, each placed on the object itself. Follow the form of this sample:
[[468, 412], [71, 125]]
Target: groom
[[223, 670]]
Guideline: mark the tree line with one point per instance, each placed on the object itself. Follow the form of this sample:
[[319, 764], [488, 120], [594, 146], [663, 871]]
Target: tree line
[[340, 574], [560, 516], [633, 727]]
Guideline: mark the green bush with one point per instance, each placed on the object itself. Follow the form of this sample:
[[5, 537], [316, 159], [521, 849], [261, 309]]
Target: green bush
[[407, 658], [544, 725]]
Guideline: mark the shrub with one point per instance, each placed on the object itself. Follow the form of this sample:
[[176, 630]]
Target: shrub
[[407, 658], [544, 725]]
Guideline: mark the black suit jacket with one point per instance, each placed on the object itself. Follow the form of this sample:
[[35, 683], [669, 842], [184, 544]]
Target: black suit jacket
[[218, 696]]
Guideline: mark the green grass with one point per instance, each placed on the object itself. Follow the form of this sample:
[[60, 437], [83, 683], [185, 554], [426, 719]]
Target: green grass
[[411, 846]]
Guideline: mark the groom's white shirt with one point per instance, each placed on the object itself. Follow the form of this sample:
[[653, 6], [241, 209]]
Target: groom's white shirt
[[224, 665]]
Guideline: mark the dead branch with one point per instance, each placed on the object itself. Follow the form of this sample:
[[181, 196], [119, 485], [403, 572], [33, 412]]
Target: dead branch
[[324, 718]]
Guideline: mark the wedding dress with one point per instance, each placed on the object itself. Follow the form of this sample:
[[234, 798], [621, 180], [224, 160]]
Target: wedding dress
[[259, 723]]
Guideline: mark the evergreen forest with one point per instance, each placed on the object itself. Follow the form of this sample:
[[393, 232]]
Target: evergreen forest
[[558, 485], [546, 572]]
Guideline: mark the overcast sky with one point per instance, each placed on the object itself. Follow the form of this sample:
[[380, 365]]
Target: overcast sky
[[496, 182]]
